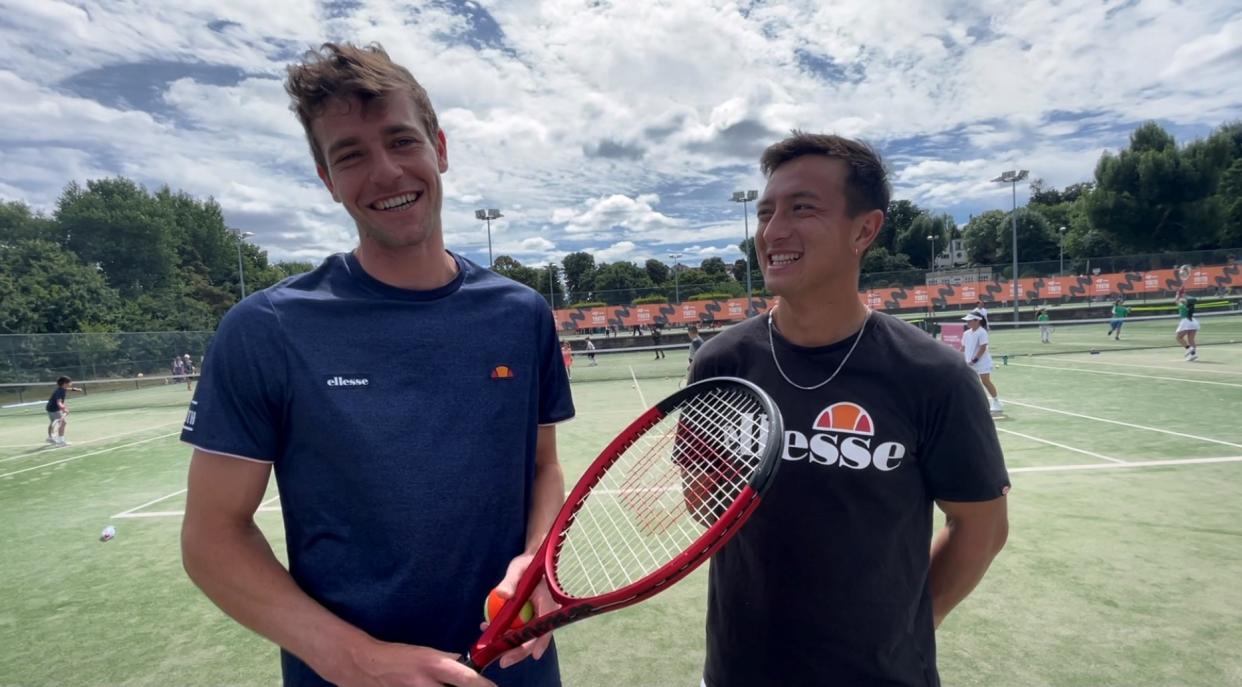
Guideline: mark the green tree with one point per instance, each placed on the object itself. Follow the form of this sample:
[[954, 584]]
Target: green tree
[[981, 238], [691, 281], [913, 241], [1150, 196], [880, 260], [619, 283], [881, 268], [897, 220], [747, 247], [511, 268], [739, 271], [1230, 199], [579, 275], [45, 288], [19, 223], [118, 225], [200, 235], [715, 268], [657, 271], [551, 275]]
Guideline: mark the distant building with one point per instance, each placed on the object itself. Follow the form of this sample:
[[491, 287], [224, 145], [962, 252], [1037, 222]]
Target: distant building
[[962, 276], [955, 256]]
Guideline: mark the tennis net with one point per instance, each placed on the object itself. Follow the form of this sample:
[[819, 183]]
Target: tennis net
[[639, 362], [1088, 336], [98, 395]]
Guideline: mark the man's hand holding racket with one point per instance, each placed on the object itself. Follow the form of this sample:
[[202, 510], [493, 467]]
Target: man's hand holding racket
[[669, 491], [542, 602], [389, 664]]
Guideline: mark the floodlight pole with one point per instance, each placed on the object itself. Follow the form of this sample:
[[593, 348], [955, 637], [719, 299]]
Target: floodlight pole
[[551, 297], [745, 197], [1062, 270], [1011, 177], [932, 238], [676, 285], [487, 216], [241, 272]]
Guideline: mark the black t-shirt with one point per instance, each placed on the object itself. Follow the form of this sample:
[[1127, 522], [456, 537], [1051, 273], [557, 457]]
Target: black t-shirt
[[827, 583], [53, 403]]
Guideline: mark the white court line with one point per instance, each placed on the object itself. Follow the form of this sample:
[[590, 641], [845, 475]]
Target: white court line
[[90, 416], [161, 513], [640, 389], [178, 513], [1125, 424], [1129, 374], [1186, 368], [1041, 468], [1064, 446], [48, 447], [1134, 464], [148, 503], [87, 455]]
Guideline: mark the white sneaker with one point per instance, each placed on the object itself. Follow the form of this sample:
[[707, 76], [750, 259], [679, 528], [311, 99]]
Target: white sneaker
[[51, 441], [1193, 356], [61, 441], [996, 406]]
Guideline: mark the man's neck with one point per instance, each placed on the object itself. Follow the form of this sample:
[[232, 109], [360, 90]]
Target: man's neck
[[416, 268], [819, 321]]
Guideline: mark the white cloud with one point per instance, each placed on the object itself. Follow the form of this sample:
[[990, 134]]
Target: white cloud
[[618, 128]]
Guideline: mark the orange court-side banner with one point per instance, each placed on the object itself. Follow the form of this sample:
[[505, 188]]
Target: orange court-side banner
[[1031, 290]]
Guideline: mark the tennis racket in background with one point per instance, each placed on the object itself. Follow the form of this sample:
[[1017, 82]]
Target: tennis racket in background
[[669, 491]]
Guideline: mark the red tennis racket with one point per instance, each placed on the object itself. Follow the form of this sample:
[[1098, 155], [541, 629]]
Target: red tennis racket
[[665, 495]]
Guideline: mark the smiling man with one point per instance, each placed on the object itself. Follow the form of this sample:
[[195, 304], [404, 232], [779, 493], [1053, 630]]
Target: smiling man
[[836, 580], [412, 478]]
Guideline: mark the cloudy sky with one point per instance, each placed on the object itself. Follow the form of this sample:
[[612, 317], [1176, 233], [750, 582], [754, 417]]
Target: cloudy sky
[[617, 127]]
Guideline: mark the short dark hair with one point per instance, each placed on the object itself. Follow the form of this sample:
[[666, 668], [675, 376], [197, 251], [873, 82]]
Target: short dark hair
[[866, 185], [343, 71], [61, 381]]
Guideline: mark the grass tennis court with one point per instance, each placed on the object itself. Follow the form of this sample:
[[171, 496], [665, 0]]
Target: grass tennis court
[[1122, 566]]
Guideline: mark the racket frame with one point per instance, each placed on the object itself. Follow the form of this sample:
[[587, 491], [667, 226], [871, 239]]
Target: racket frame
[[495, 640]]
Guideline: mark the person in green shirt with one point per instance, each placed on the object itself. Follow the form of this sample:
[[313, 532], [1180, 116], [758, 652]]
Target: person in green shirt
[[1187, 327], [1119, 318], [1045, 329]]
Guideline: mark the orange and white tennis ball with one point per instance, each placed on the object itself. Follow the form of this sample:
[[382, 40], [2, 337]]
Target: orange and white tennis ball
[[495, 602]]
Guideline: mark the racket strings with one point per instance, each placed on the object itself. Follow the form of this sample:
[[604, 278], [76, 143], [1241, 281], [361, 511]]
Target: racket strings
[[665, 490]]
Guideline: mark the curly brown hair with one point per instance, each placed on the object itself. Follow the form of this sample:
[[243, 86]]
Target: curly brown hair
[[343, 71]]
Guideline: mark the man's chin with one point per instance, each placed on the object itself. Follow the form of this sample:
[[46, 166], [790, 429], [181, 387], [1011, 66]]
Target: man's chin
[[396, 240]]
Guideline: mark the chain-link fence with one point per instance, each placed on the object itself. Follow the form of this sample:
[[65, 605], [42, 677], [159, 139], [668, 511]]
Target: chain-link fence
[[95, 355]]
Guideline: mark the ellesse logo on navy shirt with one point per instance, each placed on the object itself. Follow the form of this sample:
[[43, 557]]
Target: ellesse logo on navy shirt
[[347, 381]]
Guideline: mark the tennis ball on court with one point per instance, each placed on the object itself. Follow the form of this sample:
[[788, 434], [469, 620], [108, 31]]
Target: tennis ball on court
[[495, 602]]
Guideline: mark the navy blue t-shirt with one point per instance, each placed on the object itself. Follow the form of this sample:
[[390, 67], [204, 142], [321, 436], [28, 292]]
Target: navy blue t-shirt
[[53, 403], [402, 427]]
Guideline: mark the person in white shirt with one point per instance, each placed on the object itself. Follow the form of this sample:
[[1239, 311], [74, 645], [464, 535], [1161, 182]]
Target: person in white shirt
[[590, 347], [983, 312], [975, 349]]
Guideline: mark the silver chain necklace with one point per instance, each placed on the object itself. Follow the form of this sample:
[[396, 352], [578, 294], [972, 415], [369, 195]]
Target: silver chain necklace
[[772, 347]]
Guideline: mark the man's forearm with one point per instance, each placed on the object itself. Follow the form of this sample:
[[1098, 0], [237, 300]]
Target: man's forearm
[[236, 569], [960, 557], [549, 494]]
